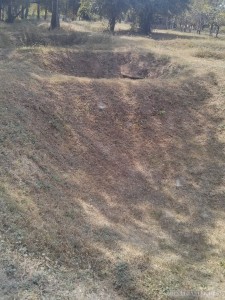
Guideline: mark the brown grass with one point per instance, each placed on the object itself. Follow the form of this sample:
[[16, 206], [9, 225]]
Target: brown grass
[[115, 179]]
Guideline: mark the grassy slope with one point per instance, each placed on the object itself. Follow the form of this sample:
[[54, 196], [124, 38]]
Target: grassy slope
[[95, 189]]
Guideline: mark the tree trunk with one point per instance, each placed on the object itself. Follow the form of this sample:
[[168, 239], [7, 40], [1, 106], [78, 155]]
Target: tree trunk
[[22, 12], [38, 9], [46, 12], [211, 29], [75, 10], [167, 22], [10, 18], [112, 24], [1, 15], [55, 15], [145, 23], [217, 30], [66, 11], [26, 9]]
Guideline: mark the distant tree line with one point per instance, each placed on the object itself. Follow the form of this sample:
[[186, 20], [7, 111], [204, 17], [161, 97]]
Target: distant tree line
[[12, 9], [187, 15], [203, 14]]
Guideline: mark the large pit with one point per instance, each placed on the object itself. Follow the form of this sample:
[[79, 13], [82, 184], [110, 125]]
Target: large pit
[[108, 64]]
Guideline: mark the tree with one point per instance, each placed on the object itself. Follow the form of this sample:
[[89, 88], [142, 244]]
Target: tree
[[112, 10], [38, 9], [147, 9], [27, 5], [206, 13], [13, 9], [85, 9], [73, 6], [55, 15]]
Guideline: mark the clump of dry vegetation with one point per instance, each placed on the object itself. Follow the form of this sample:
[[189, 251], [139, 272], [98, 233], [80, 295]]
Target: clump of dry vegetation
[[109, 181], [210, 54]]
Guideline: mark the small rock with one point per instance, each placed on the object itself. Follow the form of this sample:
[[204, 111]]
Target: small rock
[[23, 249], [178, 183], [101, 106], [204, 215]]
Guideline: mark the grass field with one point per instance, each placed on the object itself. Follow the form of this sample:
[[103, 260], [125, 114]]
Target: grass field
[[111, 188]]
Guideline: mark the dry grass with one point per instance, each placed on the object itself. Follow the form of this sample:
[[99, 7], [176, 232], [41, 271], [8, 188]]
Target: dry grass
[[209, 54], [114, 180]]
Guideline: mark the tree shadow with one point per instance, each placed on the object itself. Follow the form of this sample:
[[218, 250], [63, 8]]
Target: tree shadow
[[174, 36], [158, 35]]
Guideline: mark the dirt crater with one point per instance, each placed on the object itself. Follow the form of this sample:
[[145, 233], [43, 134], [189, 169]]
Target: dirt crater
[[109, 64]]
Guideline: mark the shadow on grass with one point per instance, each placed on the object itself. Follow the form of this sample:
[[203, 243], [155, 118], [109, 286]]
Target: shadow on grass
[[173, 36], [157, 35]]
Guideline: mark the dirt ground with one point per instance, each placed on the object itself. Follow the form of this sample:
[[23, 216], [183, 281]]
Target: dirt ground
[[111, 188]]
